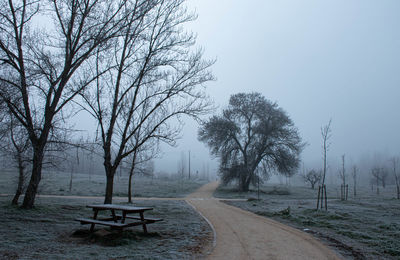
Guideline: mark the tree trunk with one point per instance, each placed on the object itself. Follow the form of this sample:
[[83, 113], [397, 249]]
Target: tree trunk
[[242, 183], [131, 171], [245, 182], [30, 194], [109, 186], [20, 186], [244, 187], [130, 188]]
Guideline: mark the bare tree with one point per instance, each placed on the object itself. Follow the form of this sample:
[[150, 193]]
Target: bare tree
[[342, 176], [182, 166], [313, 177], [15, 146], [141, 160], [342, 172], [395, 162], [354, 175], [44, 68], [153, 79], [384, 175], [326, 133], [376, 173]]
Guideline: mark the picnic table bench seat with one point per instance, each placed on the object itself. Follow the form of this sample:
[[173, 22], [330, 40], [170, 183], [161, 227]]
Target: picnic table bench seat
[[101, 222], [110, 223], [149, 220]]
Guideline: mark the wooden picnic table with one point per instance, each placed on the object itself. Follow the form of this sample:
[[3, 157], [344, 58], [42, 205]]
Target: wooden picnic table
[[116, 220]]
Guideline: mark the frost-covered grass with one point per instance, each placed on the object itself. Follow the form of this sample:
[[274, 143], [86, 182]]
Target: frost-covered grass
[[50, 232], [365, 227], [58, 183]]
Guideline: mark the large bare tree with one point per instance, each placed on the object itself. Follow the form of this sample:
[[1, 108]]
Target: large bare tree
[[45, 47], [153, 79], [252, 137]]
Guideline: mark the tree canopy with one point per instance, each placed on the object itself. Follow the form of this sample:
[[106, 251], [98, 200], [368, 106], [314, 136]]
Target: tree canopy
[[252, 137]]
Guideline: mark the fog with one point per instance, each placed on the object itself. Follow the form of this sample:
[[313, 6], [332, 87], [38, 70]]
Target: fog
[[317, 59]]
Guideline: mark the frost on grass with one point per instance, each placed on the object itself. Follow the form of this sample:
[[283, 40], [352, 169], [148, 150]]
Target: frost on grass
[[57, 183], [366, 227], [50, 232]]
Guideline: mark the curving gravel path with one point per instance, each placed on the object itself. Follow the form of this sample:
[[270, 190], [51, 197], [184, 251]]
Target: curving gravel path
[[243, 235]]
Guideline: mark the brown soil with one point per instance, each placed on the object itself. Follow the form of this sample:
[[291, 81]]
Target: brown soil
[[244, 235]]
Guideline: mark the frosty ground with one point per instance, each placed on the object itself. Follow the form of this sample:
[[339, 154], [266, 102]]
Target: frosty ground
[[365, 227], [50, 232]]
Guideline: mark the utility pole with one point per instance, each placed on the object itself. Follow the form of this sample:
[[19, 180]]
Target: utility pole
[[189, 164]]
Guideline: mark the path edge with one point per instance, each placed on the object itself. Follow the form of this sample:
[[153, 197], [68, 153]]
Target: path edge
[[214, 243]]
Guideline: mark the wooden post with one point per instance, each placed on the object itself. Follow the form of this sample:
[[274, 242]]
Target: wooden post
[[144, 222], [94, 217], [319, 189]]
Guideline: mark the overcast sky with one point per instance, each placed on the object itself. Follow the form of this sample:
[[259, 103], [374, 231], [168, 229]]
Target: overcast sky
[[317, 59]]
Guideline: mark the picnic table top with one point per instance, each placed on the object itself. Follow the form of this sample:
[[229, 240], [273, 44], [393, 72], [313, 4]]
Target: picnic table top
[[118, 207]]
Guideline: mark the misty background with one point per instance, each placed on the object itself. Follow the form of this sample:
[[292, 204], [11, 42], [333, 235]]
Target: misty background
[[318, 60]]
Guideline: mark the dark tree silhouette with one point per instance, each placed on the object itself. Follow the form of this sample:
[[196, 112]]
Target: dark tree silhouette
[[43, 68], [395, 162], [313, 177], [153, 78], [252, 137]]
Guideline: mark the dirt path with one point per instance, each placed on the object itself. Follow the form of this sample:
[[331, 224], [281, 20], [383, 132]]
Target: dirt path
[[244, 235]]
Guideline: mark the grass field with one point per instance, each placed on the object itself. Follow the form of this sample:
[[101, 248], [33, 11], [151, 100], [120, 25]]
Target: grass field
[[49, 231], [365, 227], [58, 183]]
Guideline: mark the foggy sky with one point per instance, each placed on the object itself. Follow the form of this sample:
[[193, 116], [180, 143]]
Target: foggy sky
[[317, 59]]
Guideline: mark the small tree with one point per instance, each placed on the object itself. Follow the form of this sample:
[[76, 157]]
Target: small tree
[[313, 177], [354, 175], [16, 146], [326, 133], [182, 166], [141, 161], [384, 175], [395, 163], [376, 173], [252, 137], [342, 176]]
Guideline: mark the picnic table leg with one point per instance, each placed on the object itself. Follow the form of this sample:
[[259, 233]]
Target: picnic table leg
[[123, 217], [94, 217], [144, 223], [114, 216]]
